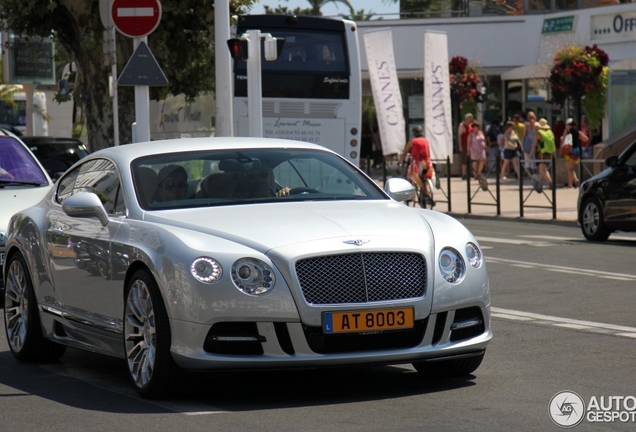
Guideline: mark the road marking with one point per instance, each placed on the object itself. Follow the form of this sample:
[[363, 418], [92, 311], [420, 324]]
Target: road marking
[[548, 237], [510, 241], [563, 269], [590, 326]]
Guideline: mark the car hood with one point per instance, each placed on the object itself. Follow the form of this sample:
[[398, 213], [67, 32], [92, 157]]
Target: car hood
[[269, 226], [17, 198]]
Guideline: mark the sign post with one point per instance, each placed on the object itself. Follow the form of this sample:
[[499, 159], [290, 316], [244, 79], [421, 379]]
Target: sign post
[[137, 19], [110, 51]]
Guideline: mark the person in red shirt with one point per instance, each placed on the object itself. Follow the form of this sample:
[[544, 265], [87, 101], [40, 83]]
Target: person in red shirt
[[421, 167]]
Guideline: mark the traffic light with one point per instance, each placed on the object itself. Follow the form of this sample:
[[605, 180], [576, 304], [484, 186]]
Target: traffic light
[[238, 48]]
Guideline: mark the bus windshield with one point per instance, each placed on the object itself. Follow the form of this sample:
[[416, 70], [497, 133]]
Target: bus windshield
[[313, 64]]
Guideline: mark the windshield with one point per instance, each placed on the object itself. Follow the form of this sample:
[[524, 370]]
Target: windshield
[[56, 156], [234, 177], [17, 165]]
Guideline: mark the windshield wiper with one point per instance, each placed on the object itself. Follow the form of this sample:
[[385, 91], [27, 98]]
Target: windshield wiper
[[4, 182]]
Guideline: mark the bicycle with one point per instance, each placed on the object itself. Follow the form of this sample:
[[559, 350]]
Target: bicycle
[[423, 199]]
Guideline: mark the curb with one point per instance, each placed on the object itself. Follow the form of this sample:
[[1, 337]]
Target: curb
[[559, 222]]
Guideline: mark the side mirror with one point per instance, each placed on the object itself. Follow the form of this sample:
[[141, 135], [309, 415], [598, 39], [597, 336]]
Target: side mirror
[[399, 189], [611, 161], [85, 205]]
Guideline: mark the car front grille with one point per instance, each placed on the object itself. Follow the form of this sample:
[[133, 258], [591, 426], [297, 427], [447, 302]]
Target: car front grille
[[362, 277]]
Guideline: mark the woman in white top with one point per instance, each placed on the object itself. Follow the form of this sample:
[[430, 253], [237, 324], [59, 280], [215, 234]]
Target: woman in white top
[[511, 147]]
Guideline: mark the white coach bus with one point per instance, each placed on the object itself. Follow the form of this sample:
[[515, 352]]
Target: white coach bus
[[313, 91]]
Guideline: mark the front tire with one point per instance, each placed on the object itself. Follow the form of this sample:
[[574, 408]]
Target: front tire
[[21, 319], [449, 368], [147, 339], [593, 222]]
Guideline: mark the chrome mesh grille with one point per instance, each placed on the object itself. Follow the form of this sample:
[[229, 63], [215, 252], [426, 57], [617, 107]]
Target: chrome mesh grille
[[362, 277]]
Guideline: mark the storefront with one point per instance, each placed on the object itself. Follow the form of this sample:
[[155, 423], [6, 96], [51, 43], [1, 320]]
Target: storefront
[[514, 55]]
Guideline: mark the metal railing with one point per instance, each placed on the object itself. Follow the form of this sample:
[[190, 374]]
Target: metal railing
[[527, 183]]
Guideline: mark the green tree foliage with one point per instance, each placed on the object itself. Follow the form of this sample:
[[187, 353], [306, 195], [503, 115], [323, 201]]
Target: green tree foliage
[[359, 15], [182, 44], [314, 7], [284, 10]]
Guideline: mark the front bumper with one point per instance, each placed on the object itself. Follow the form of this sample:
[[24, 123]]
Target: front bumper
[[270, 345]]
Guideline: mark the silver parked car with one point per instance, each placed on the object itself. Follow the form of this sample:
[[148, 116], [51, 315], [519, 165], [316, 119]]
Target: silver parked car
[[241, 253], [23, 182]]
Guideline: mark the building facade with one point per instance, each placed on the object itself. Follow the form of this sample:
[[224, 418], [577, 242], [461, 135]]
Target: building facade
[[513, 52]]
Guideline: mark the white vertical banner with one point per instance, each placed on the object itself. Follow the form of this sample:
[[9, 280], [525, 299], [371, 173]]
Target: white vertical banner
[[437, 100], [378, 45]]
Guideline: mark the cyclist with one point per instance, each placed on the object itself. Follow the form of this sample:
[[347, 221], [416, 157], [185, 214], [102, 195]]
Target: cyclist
[[421, 168]]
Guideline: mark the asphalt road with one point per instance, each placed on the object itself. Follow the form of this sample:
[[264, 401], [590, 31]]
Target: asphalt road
[[562, 318]]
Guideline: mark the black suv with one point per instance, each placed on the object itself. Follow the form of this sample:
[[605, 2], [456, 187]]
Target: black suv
[[56, 154]]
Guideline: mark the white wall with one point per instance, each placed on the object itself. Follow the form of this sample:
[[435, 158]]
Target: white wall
[[498, 44], [61, 116]]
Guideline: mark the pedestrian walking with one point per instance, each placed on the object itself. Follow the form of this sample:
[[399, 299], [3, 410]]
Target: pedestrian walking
[[511, 148], [545, 147], [477, 149], [527, 141], [463, 131]]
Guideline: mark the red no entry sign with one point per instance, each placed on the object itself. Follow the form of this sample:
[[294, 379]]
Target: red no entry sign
[[136, 18]]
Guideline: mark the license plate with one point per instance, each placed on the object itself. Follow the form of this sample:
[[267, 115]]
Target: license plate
[[368, 320]]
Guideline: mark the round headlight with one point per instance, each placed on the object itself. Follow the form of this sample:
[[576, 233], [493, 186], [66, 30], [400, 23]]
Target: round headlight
[[475, 258], [452, 266], [253, 276], [206, 270]]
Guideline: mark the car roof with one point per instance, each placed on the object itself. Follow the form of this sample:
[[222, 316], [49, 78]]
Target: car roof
[[125, 153], [45, 140]]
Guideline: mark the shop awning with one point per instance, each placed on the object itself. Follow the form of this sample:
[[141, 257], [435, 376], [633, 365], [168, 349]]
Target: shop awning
[[526, 72]]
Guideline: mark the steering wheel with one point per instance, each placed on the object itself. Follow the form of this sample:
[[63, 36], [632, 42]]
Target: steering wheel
[[303, 190]]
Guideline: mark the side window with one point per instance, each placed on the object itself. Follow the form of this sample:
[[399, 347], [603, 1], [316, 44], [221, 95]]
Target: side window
[[66, 184], [631, 161], [98, 176]]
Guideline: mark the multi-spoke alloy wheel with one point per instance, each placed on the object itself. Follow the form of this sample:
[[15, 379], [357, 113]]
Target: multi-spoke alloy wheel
[[147, 339], [16, 310], [21, 319], [141, 340]]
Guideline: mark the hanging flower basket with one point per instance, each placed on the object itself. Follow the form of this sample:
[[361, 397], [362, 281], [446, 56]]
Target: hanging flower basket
[[464, 81], [581, 74]]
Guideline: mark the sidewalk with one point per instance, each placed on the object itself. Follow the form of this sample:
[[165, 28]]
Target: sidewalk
[[537, 207]]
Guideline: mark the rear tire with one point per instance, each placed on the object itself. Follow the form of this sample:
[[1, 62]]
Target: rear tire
[[592, 221], [21, 318], [449, 368], [147, 339]]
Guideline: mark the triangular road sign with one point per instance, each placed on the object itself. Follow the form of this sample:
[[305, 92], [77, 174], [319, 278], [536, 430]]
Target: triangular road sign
[[142, 70]]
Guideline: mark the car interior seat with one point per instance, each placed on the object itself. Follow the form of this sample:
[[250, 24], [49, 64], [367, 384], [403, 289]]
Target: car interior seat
[[220, 185]]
